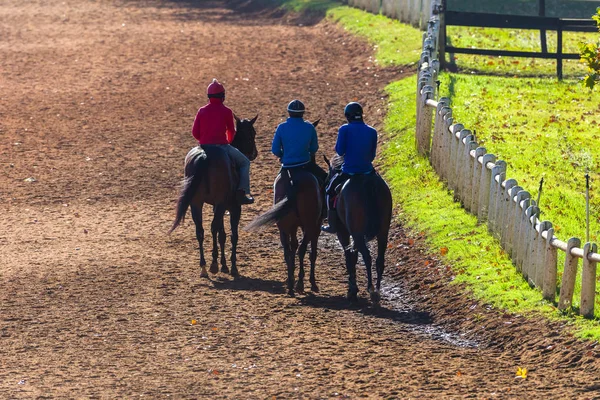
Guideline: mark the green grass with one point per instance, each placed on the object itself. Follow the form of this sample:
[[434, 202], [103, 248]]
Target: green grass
[[516, 40], [396, 43], [427, 206], [554, 8]]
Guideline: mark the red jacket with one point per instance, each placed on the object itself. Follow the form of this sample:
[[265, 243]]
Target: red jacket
[[214, 123]]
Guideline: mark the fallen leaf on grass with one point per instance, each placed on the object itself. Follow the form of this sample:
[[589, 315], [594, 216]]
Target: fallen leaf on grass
[[444, 251]]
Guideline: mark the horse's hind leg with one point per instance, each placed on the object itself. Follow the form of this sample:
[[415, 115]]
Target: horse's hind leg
[[289, 260], [215, 228], [301, 254], [197, 217], [313, 260], [351, 257], [382, 241], [361, 245], [234, 218]]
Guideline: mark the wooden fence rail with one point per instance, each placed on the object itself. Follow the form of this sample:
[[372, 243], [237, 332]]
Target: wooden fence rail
[[479, 181]]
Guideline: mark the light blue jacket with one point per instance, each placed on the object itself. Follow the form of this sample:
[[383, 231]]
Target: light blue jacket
[[294, 142]]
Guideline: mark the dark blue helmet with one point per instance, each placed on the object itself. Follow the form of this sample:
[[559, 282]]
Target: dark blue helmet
[[353, 111], [296, 107]]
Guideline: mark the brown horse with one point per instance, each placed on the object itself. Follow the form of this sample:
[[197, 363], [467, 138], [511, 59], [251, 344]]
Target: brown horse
[[298, 203], [364, 209], [210, 177]]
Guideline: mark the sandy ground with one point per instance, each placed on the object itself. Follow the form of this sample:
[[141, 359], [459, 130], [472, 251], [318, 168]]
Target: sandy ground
[[97, 100]]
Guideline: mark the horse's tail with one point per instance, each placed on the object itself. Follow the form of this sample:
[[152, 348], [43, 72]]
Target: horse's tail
[[278, 211], [370, 198], [188, 188]]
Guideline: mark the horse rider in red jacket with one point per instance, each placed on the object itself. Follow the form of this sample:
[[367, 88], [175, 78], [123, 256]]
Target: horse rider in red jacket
[[214, 125]]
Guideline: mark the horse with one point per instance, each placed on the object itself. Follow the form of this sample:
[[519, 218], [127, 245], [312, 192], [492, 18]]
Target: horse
[[364, 210], [210, 177], [298, 203]]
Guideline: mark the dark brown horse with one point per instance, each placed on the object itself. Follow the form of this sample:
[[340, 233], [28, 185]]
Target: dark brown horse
[[298, 203], [364, 209], [210, 177]]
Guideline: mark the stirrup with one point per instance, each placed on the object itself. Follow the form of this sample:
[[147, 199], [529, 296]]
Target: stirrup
[[244, 199]]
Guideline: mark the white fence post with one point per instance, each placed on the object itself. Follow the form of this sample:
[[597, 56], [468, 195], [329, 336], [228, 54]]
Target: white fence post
[[459, 165], [454, 129], [518, 212], [530, 238], [476, 181], [507, 208], [388, 8], [540, 253], [521, 247], [486, 180], [569, 275], [550, 267], [588, 282], [465, 170], [502, 206], [526, 233], [497, 175]]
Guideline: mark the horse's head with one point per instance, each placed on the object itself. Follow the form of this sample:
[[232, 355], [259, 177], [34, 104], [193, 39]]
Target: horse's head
[[335, 166], [245, 137]]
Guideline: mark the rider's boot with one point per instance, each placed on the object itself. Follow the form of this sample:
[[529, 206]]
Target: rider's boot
[[243, 198], [332, 218]]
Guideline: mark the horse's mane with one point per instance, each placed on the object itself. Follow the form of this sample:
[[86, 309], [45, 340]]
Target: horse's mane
[[337, 161]]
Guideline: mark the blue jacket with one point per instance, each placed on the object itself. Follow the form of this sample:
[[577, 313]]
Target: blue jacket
[[357, 142], [294, 142]]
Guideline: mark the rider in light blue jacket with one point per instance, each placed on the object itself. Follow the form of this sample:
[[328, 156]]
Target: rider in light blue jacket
[[295, 142]]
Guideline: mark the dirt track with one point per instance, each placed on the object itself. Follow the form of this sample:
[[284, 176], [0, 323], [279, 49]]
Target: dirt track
[[96, 104]]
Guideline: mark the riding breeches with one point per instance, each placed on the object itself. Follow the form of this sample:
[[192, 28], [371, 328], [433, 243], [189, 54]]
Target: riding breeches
[[242, 163]]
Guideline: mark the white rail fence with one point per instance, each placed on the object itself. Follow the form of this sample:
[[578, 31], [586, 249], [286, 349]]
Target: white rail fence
[[414, 12], [480, 182]]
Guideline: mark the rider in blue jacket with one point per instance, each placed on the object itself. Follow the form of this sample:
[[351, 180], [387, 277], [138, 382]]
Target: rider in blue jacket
[[295, 142], [357, 143]]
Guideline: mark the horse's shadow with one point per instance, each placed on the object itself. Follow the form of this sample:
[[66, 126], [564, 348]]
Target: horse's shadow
[[244, 283], [364, 307]]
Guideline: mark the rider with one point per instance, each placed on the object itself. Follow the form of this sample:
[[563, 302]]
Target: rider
[[214, 126], [357, 143], [295, 142]]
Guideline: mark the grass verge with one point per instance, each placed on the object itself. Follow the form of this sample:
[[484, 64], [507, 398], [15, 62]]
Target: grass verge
[[427, 206]]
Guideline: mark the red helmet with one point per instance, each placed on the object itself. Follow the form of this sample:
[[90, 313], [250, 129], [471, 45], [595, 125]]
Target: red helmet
[[215, 88]]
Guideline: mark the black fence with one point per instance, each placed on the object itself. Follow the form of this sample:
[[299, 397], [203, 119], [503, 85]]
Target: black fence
[[543, 24]]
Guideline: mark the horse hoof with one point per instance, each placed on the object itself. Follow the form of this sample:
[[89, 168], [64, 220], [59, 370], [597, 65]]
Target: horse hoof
[[214, 268], [234, 272], [300, 288], [375, 297], [353, 297], [203, 273], [314, 288], [291, 293], [224, 270]]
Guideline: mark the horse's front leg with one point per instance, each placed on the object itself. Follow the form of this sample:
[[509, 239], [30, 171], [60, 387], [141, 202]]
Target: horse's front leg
[[351, 257], [215, 228], [197, 217], [234, 219], [301, 253]]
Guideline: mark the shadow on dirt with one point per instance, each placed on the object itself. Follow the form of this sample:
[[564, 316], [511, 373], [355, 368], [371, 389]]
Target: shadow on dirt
[[249, 284], [366, 308]]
